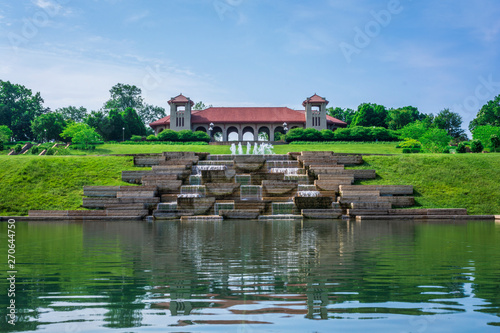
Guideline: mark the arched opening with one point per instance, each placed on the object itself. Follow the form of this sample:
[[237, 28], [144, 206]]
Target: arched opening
[[278, 132], [248, 134], [217, 134], [232, 134], [264, 134], [201, 129]]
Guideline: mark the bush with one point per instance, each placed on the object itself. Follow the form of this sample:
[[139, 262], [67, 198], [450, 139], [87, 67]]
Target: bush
[[476, 146], [168, 135], [409, 143], [461, 148], [35, 150], [446, 150], [136, 138], [152, 137], [311, 134], [484, 133], [201, 136], [296, 134], [411, 150], [50, 151], [278, 136], [18, 148], [1, 145], [495, 141], [435, 140], [360, 133], [327, 135], [406, 151]]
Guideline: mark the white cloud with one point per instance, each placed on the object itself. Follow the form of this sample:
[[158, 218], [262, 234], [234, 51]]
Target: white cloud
[[137, 17]]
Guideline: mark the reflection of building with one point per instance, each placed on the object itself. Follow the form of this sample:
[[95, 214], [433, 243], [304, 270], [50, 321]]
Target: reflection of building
[[246, 122]]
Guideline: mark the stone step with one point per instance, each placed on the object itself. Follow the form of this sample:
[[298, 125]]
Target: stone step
[[356, 173], [136, 194], [103, 202], [358, 194], [356, 212], [146, 161], [202, 218], [313, 202], [280, 217], [395, 201], [240, 213], [384, 189], [334, 178], [111, 191], [349, 159], [321, 213], [371, 205], [328, 185]]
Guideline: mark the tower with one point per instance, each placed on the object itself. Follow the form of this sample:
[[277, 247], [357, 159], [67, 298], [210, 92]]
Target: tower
[[315, 112], [180, 113]]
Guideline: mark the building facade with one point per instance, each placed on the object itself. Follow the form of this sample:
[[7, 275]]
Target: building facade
[[246, 123]]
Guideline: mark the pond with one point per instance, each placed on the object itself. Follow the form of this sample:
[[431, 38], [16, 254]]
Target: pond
[[249, 276]]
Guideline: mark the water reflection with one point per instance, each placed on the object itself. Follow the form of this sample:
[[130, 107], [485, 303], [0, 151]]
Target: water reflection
[[256, 276]]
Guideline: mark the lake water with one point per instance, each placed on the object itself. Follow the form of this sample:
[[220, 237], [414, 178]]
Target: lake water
[[247, 276]]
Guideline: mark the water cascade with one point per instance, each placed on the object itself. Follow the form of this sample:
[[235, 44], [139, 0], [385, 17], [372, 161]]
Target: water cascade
[[286, 171], [192, 191], [250, 192], [195, 179], [243, 179], [283, 208], [249, 148], [223, 205], [240, 149], [233, 149]]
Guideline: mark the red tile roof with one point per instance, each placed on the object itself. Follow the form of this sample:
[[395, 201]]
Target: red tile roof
[[180, 99], [242, 115], [315, 99]]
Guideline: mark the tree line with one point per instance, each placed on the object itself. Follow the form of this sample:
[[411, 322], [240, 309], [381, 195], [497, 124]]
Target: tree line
[[23, 116]]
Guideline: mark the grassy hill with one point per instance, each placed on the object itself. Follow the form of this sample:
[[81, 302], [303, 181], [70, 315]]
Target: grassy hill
[[470, 181]]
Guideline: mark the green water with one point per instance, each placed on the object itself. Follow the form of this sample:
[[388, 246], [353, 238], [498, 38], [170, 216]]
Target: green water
[[248, 276]]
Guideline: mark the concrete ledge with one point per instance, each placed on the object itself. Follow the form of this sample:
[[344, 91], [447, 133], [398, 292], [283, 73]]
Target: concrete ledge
[[240, 213], [321, 213], [279, 217], [426, 217], [202, 218], [371, 205], [384, 189]]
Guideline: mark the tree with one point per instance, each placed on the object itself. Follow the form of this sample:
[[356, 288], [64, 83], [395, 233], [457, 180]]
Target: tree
[[449, 121], [201, 106], [124, 96], [484, 133], [100, 122], [495, 141], [116, 126], [150, 113], [346, 115], [414, 130], [488, 115], [399, 118], [5, 133], [435, 140], [370, 115], [133, 124], [81, 134], [73, 113], [476, 146], [18, 107], [48, 126]]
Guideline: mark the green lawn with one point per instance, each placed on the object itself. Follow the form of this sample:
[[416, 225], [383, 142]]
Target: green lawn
[[50, 182], [469, 181], [340, 147]]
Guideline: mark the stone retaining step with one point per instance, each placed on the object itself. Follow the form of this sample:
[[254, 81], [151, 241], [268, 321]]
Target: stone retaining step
[[426, 217], [358, 194], [384, 189], [86, 213], [395, 201], [280, 217], [136, 194], [146, 161], [371, 205], [111, 191], [321, 213], [202, 218], [240, 213], [103, 202]]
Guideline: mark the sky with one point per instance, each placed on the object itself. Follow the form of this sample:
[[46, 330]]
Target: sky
[[428, 54]]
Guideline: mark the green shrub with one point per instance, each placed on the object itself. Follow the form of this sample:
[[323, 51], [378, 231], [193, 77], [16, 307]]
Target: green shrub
[[327, 135], [461, 148], [1, 145], [406, 151], [201, 136], [312, 134], [35, 150], [296, 134], [484, 133], [409, 143], [415, 150], [495, 141], [168, 135], [446, 150], [278, 136], [50, 151], [18, 148], [476, 146], [152, 137], [361, 133], [136, 138]]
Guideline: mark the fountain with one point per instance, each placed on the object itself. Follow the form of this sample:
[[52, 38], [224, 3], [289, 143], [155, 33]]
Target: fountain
[[243, 179], [282, 208], [286, 171], [233, 149], [249, 148], [195, 179], [240, 149], [251, 192], [192, 191], [223, 206]]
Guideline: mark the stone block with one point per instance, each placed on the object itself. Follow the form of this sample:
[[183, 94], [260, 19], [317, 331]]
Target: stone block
[[313, 202], [321, 213], [384, 189], [244, 214]]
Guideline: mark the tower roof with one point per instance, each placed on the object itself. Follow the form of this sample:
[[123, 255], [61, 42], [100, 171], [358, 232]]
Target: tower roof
[[180, 99], [315, 99]]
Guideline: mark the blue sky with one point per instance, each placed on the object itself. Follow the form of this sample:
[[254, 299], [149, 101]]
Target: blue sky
[[429, 54]]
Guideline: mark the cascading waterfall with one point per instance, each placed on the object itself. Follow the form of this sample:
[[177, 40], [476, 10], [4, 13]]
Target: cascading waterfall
[[250, 192], [192, 191], [282, 208]]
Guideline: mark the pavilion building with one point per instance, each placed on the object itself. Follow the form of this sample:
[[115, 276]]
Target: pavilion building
[[245, 123]]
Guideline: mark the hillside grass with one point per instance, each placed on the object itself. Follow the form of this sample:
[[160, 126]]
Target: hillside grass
[[338, 147], [54, 183], [469, 181]]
